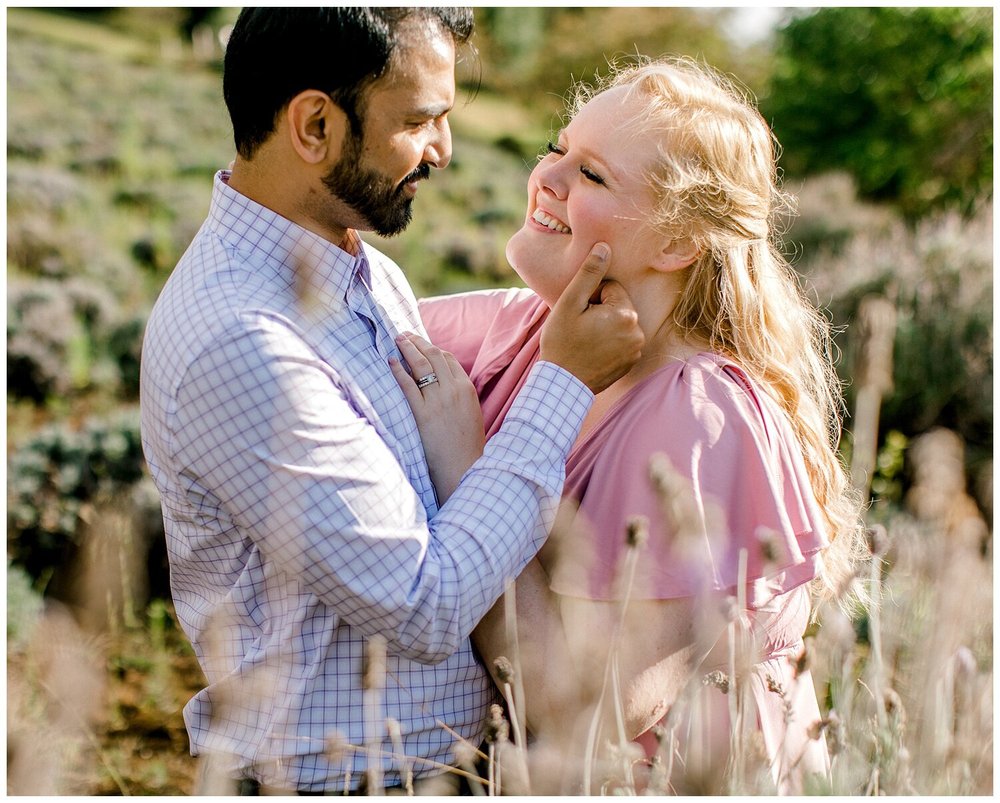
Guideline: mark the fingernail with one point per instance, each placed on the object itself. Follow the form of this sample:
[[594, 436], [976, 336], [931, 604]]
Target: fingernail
[[601, 252]]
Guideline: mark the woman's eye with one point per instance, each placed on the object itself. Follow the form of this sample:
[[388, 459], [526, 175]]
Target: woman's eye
[[590, 175]]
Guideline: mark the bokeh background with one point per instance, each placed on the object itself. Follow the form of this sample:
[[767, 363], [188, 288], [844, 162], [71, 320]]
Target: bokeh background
[[115, 127]]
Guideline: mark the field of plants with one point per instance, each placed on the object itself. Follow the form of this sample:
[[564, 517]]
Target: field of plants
[[115, 128]]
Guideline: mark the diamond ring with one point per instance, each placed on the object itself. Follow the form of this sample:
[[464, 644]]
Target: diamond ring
[[429, 379]]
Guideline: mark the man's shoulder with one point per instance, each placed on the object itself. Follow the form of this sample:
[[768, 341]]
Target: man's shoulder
[[195, 280], [213, 295]]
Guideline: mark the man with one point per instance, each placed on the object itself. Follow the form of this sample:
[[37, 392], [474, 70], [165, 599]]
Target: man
[[301, 521]]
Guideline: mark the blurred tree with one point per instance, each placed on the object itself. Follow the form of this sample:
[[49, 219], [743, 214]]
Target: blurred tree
[[514, 38], [535, 54], [899, 97]]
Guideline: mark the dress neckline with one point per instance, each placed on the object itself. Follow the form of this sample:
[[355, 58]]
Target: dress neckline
[[675, 364]]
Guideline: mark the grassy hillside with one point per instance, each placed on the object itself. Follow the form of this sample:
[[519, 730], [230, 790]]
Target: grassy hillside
[[115, 128]]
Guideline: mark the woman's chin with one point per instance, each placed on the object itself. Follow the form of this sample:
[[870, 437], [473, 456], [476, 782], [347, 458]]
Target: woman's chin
[[536, 273], [517, 255], [513, 248]]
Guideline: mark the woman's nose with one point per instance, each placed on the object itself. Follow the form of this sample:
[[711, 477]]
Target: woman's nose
[[551, 177]]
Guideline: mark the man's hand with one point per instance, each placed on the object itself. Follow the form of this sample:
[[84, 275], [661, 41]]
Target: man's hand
[[593, 330]]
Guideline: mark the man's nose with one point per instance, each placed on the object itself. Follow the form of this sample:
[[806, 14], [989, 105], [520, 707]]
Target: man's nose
[[438, 150]]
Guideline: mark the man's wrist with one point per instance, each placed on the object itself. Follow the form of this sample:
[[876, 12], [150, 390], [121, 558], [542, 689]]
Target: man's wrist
[[553, 401]]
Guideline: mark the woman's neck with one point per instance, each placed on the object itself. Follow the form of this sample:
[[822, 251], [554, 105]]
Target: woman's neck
[[655, 300], [665, 343]]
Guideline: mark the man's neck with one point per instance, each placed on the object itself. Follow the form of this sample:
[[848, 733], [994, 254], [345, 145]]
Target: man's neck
[[270, 189]]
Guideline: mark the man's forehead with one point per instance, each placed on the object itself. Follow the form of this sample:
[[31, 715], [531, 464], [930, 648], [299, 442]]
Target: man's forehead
[[422, 45], [421, 74]]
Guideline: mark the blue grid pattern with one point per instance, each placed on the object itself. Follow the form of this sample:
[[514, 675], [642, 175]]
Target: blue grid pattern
[[299, 511]]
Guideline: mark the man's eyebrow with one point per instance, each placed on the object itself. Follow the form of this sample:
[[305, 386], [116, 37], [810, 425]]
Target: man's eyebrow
[[430, 111]]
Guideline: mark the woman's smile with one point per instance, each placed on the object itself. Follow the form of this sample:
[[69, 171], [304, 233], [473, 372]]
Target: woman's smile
[[550, 222]]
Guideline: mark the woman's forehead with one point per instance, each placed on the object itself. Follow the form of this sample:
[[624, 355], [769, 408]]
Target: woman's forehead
[[613, 121]]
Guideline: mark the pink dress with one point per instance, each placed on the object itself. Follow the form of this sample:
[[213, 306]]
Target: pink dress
[[744, 495]]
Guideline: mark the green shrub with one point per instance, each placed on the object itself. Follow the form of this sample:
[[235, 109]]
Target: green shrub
[[901, 98], [41, 328], [24, 607], [939, 275], [124, 347], [54, 474], [68, 338]]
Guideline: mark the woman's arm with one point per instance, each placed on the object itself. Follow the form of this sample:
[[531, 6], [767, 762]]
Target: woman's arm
[[552, 686], [565, 644], [658, 647]]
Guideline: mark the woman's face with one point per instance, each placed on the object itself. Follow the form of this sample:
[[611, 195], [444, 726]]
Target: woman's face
[[589, 188]]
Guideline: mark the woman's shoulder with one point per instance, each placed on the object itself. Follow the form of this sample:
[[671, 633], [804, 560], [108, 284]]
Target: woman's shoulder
[[704, 418], [489, 302], [703, 432], [705, 395], [484, 327]]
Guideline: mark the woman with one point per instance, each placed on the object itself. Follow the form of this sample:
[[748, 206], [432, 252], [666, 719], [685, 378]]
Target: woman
[[721, 440]]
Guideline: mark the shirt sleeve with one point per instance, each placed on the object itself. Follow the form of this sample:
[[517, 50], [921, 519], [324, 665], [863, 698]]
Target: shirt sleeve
[[266, 424]]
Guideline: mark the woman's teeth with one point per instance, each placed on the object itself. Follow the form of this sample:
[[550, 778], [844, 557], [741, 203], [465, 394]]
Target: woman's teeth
[[550, 222]]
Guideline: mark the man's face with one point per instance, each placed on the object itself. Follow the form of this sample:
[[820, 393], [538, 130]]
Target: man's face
[[405, 122]]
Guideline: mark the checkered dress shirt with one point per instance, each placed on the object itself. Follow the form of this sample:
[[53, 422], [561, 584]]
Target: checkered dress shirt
[[299, 512]]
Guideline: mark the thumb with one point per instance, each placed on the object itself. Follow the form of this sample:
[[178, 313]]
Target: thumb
[[584, 284], [614, 295]]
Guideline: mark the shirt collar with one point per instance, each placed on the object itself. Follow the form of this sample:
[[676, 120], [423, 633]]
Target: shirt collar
[[248, 226]]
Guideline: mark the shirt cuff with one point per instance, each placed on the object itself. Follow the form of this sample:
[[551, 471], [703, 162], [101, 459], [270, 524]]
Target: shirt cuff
[[554, 402]]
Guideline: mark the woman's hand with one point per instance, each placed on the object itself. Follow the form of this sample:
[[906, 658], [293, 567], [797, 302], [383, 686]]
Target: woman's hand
[[446, 409]]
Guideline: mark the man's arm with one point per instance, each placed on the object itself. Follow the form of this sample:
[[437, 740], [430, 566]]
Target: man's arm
[[265, 424]]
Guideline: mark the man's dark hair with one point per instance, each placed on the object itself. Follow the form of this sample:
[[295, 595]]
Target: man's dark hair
[[273, 54]]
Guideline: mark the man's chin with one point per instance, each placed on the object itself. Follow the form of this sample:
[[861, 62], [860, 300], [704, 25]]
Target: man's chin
[[398, 223]]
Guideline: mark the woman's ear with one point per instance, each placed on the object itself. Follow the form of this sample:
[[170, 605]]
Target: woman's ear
[[316, 126], [677, 254]]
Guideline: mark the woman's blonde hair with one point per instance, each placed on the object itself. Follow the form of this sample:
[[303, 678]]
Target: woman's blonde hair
[[716, 184]]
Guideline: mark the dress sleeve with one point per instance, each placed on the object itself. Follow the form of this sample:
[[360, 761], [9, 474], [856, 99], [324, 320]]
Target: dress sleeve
[[713, 465], [460, 323]]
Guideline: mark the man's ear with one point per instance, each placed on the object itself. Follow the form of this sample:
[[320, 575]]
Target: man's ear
[[677, 254], [316, 126]]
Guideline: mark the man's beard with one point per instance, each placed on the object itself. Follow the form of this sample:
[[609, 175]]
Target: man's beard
[[384, 206]]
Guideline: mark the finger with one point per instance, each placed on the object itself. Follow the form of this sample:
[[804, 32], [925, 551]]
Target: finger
[[434, 355], [454, 366], [587, 280], [406, 383], [614, 295], [418, 363]]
